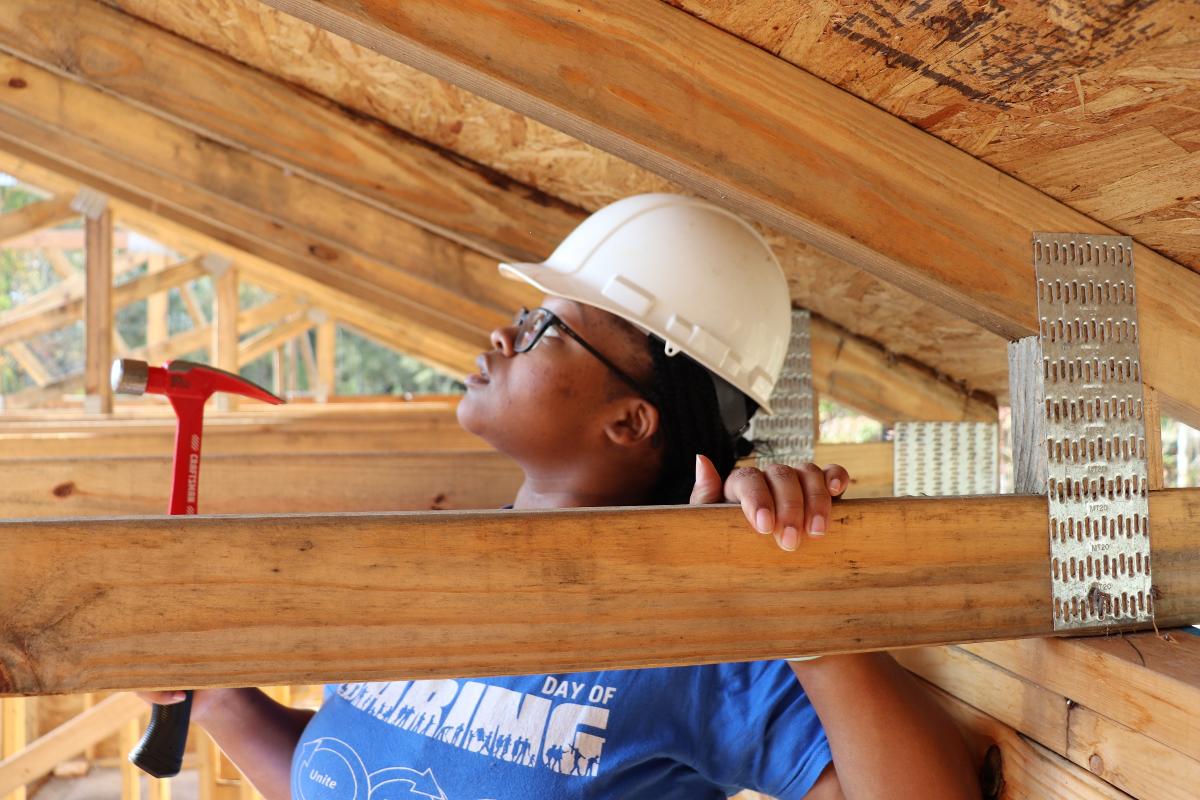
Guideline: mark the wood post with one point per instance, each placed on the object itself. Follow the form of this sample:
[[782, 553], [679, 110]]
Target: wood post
[[13, 714], [1027, 393], [326, 359], [98, 314], [224, 348], [157, 306]]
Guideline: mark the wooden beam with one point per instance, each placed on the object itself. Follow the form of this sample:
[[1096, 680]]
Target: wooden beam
[[98, 314], [861, 374], [580, 589], [1131, 760], [254, 483], [518, 222], [22, 323], [92, 726], [35, 216], [193, 306], [777, 143], [157, 306], [59, 262], [1026, 770], [1142, 681], [29, 362], [241, 200], [267, 340], [368, 161]]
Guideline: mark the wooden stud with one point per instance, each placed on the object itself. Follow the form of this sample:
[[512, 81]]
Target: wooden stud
[[131, 777], [1155, 472], [156, 309], [224, 347], [12, 736], [1027, 396], [98, 313], [326, 359], [82, 731], [310, 362], [862, 585]]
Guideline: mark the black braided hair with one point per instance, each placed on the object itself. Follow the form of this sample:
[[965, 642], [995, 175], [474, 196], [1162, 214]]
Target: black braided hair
[[691, 423]]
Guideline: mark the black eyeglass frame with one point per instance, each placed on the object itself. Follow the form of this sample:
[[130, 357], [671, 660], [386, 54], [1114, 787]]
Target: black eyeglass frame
[[549, 318]]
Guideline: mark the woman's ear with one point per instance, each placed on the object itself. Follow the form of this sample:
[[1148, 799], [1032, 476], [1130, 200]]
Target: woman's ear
[[635, 421]]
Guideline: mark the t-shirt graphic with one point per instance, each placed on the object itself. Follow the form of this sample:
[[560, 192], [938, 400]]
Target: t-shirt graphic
[[693, 732]]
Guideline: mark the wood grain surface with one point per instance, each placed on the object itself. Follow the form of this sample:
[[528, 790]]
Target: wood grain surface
[[778, 144], [207, 601]]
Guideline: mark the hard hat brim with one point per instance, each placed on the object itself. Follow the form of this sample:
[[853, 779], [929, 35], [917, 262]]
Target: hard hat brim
[[555, 282]]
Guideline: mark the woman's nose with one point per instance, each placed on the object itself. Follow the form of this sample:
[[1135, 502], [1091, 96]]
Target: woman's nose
[[502, 340]]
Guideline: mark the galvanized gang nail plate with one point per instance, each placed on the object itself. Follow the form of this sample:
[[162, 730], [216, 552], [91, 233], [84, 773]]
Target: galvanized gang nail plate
[[787, 435], [1095, 431], [933, 459]]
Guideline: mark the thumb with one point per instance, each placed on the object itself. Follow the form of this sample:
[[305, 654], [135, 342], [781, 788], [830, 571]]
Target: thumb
[[709, 487]]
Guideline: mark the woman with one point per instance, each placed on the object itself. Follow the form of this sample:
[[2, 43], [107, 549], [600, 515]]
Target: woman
[[663, 329]]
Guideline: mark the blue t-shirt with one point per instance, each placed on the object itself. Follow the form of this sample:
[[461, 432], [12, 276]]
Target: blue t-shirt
[[674, 732]]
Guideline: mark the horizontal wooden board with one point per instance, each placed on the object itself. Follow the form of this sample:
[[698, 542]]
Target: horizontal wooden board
[[259, 483], [1142, 681], [383, 596]]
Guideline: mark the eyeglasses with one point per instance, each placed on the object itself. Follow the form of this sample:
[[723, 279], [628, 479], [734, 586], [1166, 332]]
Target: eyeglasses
[[532, 326]]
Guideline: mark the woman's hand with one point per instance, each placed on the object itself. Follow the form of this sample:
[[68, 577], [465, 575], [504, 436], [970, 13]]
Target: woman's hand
[[780, 500], [202, 700]]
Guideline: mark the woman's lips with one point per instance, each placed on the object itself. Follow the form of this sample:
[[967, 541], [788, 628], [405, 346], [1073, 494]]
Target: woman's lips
[[482, 377]]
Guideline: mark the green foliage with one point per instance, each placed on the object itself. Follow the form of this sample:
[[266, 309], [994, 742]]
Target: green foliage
[[365, 367]]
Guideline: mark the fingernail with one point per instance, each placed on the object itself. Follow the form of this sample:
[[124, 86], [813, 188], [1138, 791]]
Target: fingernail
[[698, 466], [789, 538], [178, 695], [763, 521], [835, 485], [818, 525]]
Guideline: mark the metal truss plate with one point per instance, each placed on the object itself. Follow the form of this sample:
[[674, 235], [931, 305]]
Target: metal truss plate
[[786, 437], [945, 458], [1095, 436]]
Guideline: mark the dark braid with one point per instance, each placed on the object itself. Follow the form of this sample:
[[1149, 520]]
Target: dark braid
[[690, 421]]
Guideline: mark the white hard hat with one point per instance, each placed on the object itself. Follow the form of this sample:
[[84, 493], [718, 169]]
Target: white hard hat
[[690, 272]]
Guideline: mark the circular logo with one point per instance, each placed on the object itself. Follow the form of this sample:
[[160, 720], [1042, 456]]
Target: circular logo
[[195, 441]]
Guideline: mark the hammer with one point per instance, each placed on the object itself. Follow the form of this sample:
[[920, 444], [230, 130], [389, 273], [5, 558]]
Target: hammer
[[187, 385]]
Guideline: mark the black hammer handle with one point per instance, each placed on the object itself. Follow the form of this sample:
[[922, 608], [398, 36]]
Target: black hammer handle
[[160, 752]]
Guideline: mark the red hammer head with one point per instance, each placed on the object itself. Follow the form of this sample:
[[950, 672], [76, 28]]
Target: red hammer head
[[188, 386], [183, 379]]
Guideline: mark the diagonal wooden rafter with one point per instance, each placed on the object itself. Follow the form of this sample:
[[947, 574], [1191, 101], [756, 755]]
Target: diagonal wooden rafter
[[267, 340], [591, 590], [341, 152], [29, 362], [35, 216], [774, 142], [22, 324], [192, 181]]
